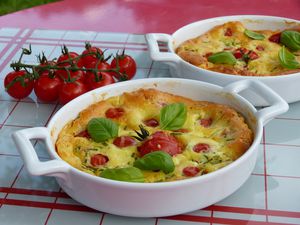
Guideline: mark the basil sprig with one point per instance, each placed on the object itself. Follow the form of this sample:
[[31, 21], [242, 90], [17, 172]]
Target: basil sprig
[[222, 58], [173, 116], [102, 129], [254, 35], [130, 174], [157, 160], [287, 59], [290, 39]]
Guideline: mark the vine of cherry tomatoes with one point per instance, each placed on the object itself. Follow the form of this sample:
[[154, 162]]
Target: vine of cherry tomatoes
[[70, 76]]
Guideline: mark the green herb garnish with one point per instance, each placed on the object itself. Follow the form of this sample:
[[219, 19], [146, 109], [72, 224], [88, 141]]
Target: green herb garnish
[[102, 129], [290, 39], [130, 174], [287, 59], [173, 116], [254, 35], [222, 58], [157, 160]]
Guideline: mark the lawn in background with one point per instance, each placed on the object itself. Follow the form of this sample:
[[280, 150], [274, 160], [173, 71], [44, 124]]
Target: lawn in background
[[9, 6]]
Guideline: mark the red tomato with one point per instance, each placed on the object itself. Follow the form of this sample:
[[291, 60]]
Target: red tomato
[[78, 75], [47, 89], [88, 59], [69, 91], [104, 79], [260, 48], [62, 60], [126, 65], [84, 134], [124, 141], [101, 65], [191, 171], [201, 147], [228, 32], [16, 90], [151, 122], [253, 55], [114, 113], [275, 38], [160, 141], [206, 122], [99, 159]]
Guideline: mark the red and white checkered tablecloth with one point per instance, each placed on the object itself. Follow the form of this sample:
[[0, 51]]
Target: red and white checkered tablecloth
[[270, 196]]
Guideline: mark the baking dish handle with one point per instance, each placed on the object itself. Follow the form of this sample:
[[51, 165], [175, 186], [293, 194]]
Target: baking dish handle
[[155, 53], [277, 104], [34, 166]]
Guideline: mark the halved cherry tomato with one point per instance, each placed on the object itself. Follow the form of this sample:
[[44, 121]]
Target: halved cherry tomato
[[191, 171], [228, 32], [253, 55], [88, 59], [260, 48], [201, 147], [160, 141], [275, 38], [124, 141], [114, 112], [151, 122], [206, 122], [84, 134], [69, 91], [126, 65], [16, 89], [99, 159], [47, 89]]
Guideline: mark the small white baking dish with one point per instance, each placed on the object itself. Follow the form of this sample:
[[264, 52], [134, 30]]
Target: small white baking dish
[[152, 199], [287, 86]]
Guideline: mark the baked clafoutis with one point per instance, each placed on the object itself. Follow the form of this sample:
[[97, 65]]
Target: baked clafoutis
[[153, 136], [231, 48]]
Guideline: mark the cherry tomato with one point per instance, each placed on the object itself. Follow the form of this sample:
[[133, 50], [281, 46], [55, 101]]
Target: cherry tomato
[[99, 159], [253, 55], [260, 48], [275, 38], [201, 147], [228, 32], [47, 89], [78, 75], [104, 79], [88, 59], [84, 134], [114, 113], [124, 141], [43, 71], [69, 91], [206, 122], [151, 122], [127, 67], [191, 171], [62, 60], [17, 90], [160, 141]]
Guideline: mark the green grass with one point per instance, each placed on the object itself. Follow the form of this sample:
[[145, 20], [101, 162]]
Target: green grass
[[9, 6]]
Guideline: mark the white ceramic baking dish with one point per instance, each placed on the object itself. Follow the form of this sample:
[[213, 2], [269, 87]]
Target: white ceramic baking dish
[[151, 199], [287, 86]]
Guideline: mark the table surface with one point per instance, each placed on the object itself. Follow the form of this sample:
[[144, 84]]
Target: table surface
[[270, 196]]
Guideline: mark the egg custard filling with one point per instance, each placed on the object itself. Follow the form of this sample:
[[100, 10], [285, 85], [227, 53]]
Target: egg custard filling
[[153, 136], [233, 49]]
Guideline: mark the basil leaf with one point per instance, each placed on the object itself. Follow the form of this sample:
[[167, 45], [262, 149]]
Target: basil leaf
[[173, 116], [222, 58], [102, 129], [287, 59], [254, 35], [290, 39], [157, 160], [130, 174]]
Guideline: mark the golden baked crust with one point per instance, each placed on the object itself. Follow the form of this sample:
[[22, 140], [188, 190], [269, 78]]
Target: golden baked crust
[[197, 50], [227, 134]]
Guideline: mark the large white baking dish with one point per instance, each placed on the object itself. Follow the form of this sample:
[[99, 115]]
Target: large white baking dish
[[151, 199], [287, 86]]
